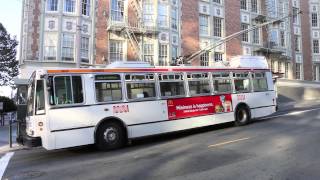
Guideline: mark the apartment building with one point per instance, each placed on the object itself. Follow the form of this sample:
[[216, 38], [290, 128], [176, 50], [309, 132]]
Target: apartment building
[[73, 33]]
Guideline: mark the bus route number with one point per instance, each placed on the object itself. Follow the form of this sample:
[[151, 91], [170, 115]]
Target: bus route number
[[241, 97], [121, 109]]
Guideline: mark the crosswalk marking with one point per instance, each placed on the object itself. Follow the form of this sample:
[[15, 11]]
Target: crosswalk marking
[[4, 161]]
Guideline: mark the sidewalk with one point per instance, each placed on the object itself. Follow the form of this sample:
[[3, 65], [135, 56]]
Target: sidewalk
[[293, 105], [4, 139]]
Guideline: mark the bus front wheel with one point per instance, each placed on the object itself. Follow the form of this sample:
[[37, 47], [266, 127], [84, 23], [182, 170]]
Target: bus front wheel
[[110, 136], [242, 116]]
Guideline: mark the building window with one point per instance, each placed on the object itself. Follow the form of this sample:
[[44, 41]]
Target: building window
[[86, 7], [204, 59], [295, 15], [273, 39], [245, 36], [243, 4], [69, 6], [298, 70], [282, 39], [174, 52], [279, 66], [67, 47], [314, 69], [297, 43], [116, 50], [272, 8], [50, 46], [218, 57], [217, 1], [316, 46], [84, 46], [148, 13], [174, 19], [217, 27], [256, 36], [254, 6], [148, 53], [163, 54], [117, 10], [163, 15], [314, 19], [286, 70], [204, 24], [52, 5]]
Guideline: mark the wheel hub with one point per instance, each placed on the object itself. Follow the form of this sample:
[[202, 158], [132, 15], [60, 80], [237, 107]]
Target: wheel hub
[[242, 115], [110, 134]]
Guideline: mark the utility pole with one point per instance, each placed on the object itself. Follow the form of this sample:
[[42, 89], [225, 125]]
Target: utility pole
[[78, 35]]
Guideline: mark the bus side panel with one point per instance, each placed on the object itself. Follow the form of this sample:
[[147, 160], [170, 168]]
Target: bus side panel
[[72, 138], [71, 126], [178, 125], [141, 112], [260, 103]]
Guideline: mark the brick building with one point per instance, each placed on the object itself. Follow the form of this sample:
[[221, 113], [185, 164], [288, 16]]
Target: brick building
[[69, 33]]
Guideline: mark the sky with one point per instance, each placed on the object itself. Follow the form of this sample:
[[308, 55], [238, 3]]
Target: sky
[[10, 17]]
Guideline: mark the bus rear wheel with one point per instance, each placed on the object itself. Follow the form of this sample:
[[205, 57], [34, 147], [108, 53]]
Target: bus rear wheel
[[242, 116], [110, 136]]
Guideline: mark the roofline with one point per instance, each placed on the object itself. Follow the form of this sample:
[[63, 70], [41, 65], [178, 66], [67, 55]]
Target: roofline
[[156, 69]]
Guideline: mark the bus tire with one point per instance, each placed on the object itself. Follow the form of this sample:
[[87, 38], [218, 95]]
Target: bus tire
[[242, 115], [109, 136]]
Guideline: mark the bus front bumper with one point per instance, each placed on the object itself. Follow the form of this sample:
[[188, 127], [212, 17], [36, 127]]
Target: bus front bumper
[[30, 141]]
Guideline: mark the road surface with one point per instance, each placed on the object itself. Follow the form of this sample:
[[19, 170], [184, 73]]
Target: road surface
[[286, 146]]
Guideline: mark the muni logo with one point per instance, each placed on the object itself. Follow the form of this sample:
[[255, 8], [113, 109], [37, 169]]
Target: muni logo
[[170, 102], [121, 109]]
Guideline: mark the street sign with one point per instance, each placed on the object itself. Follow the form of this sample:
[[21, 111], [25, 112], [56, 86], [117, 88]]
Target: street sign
[[1, 106]]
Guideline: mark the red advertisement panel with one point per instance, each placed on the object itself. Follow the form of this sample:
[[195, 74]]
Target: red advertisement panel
[[198, 106]]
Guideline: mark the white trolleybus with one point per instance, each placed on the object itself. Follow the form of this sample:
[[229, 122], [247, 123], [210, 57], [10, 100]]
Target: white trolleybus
[[108, 107]]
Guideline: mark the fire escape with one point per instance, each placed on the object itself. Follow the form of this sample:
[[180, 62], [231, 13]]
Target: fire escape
[[132, 28]]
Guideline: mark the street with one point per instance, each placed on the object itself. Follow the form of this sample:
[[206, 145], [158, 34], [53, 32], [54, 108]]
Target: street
[[285, 146]]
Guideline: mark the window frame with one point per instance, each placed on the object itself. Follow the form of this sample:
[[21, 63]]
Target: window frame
[[40, 111], [249, 77], [126, 82], [191, 79], [54, 91], [214, 91], [52, 3], [263, 77], [122, 88], [182, 75]]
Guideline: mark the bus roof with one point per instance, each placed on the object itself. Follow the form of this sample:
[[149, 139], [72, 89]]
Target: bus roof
[[153, 69]]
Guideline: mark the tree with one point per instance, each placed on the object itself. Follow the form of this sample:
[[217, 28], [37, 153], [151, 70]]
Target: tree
[[8, 104], [8, 62]]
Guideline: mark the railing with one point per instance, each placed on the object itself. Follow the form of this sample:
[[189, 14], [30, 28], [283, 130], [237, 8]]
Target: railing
[[118, 21]]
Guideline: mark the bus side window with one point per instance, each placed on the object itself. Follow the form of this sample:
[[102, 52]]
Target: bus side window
[[199, 84], [68, 90], [259, 82], [241, 82], [108, 88], [140, 86], [171, 85], [222, 83]]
